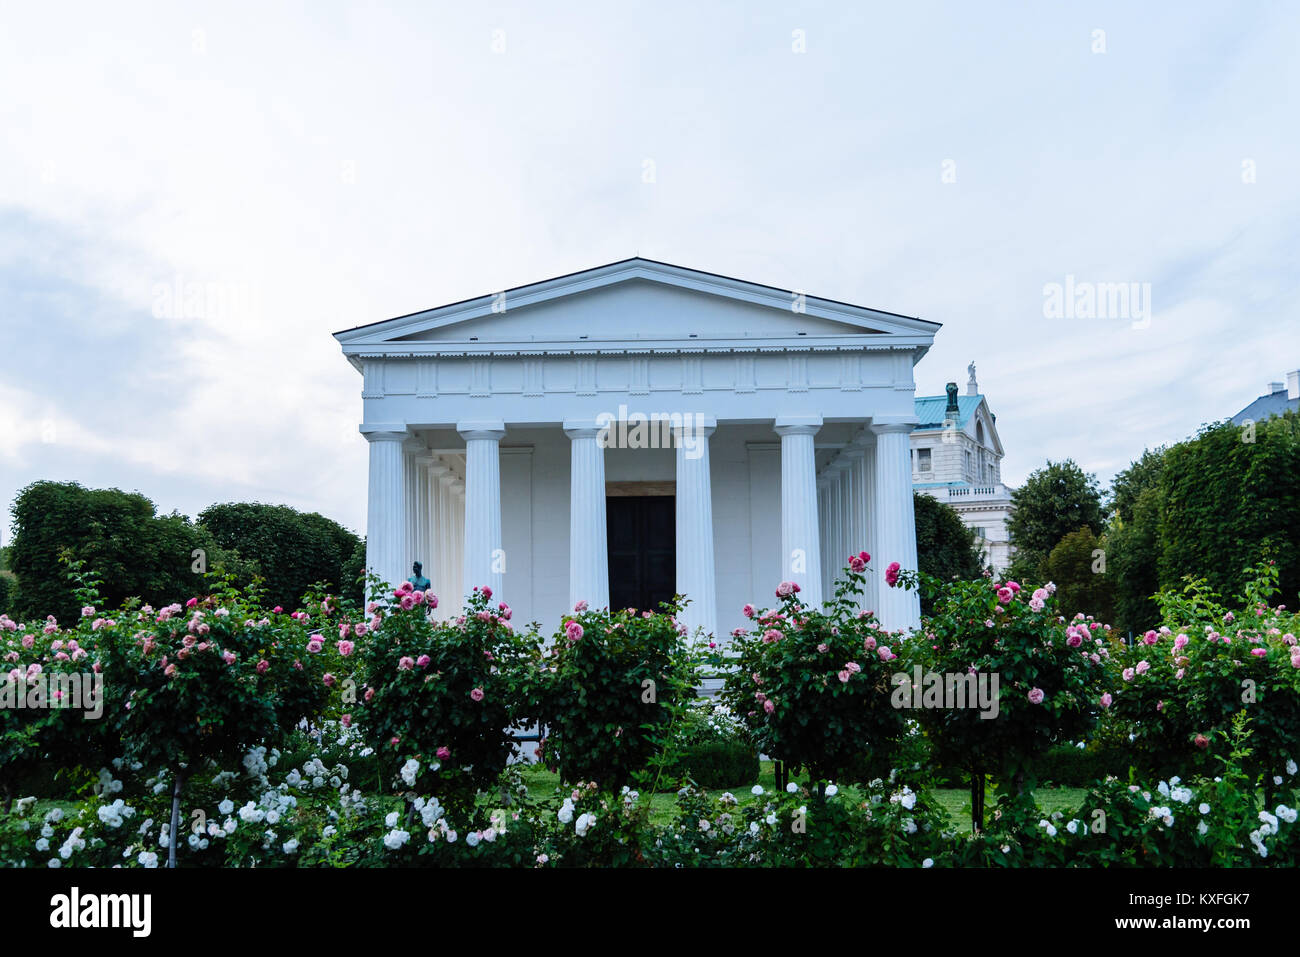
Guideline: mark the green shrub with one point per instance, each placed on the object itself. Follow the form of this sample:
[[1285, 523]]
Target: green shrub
[[609, 692], [812, 686]]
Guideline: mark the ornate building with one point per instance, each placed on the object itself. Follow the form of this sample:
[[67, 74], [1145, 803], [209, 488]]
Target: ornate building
[[957, 458]]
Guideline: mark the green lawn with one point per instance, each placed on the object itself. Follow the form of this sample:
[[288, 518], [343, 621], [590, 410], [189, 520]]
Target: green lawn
[[542, 784]]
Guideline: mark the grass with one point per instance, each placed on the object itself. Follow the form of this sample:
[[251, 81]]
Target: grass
[[542, 783]]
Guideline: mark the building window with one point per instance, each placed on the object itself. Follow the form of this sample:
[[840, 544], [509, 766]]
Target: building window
[[979, 533], [923, 460], [969, 469]]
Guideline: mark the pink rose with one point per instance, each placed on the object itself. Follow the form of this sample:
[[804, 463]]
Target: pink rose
[[748, 611], [573, 631], [891, 574], [768, 706], [844, 677], [1036, 696], [477, 694], [345, 647], [580, 606], [1106, 699], [227, 656], [771, 635], [405, 663], [444, 753], [263, 666], [885, 653], [423, 661], [347, 720], [328, 679]]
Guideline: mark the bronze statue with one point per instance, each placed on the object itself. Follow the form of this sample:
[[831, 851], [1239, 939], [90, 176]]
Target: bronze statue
[[418, 580]]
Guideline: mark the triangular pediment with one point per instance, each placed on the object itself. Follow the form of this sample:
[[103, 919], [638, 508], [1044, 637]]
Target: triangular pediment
[[634, 302]]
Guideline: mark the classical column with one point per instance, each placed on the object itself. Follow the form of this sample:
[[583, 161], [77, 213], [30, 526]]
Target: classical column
[[800, 543], [895, 521], [482, 503], [866, 441], [440, 538], [696, 575], [411, 448], [588, 551], [386, 502], [824, 526], [424, 514], [857, 539], [456, 567], [843, 503]]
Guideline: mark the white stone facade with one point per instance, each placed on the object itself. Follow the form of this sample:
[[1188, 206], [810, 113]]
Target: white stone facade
[[495, 440]]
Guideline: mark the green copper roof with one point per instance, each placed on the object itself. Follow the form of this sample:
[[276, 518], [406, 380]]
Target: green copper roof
[[930, 409]]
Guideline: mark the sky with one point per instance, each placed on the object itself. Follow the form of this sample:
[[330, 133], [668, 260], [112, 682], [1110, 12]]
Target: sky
[[315, 166]]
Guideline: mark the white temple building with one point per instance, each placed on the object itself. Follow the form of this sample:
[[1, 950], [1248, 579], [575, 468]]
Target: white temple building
[[957, 458], [636, 430]]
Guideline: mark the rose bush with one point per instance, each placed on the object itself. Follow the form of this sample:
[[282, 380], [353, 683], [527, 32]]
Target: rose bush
[[440, 697], [1050, 676], [1178, 688], [813, 685], [608, 691]]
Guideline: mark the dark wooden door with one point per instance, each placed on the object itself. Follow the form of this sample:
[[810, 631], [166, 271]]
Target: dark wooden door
[[642, 533]]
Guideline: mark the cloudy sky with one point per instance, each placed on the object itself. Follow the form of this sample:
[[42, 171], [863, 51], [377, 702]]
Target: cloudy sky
[[317, 166]]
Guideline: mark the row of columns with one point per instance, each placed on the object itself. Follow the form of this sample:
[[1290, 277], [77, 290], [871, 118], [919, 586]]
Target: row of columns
[[415, 512], [863, 501]]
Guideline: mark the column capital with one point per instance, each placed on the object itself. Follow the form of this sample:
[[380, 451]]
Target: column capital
[[852, 454], [702, 425], [492, 429], [584, 428], [425, 459], [797, 424], [886, 424], [384, 432]]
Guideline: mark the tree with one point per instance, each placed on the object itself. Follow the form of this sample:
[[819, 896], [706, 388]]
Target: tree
[[1054, 501], [1078, 567], [1127, 486], [117, 534], [1231, 496], [1132, 549], [945, 547], [291, 550]]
